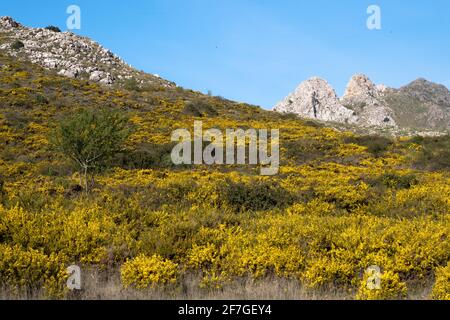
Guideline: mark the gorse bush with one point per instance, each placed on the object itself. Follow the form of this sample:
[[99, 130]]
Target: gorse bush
[[145, 156], [27, 270], [131, 84], [392, 288], [441, 289], [143, 272]]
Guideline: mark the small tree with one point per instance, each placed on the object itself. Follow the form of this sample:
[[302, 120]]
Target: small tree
[[90, 138]]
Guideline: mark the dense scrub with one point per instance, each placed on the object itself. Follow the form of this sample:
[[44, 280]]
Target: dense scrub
[[340, 204]]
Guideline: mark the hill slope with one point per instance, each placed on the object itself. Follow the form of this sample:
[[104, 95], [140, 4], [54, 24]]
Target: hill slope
[[421, 105], [150, 229], [70, 55]]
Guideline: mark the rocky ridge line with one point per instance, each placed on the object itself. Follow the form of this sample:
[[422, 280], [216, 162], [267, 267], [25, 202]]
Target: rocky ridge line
[[361, 105], [70, 55]]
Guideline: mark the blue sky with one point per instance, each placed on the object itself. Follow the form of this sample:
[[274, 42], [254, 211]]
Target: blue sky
[[257, 51]]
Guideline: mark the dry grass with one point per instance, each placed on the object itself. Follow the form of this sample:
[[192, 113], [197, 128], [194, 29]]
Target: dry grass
[[99, 285]]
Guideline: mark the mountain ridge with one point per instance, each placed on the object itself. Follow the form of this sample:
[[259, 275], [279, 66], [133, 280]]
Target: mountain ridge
[[420, 105], [71, 55]]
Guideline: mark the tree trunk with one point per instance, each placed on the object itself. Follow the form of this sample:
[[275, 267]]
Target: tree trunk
[[86, 179]]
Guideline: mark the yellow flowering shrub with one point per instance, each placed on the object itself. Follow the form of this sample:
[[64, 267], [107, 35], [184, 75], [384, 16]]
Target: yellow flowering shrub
[[392, 288], [28, 269], [142, 272], [441, 289]]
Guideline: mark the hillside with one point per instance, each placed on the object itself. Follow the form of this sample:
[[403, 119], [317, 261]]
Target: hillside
[[149, 229], [421, 105]]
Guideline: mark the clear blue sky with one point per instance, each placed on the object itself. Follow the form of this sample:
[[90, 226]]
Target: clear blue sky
[[257, 51]]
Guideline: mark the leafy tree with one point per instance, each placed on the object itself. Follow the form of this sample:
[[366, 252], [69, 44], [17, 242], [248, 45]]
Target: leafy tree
[[90, 137]]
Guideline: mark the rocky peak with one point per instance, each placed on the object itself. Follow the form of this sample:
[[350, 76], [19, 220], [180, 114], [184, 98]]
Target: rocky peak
[[428, 92], [70, 55], [316, 99], [360, 86], [8, 23], [366, 100], [362, 103]]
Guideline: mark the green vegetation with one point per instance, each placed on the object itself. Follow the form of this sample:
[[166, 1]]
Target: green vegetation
[[90, 137], [340, 204], [434, 153], [17, 45], [377, 145], [131, 84], [199, 108], [53, 28]]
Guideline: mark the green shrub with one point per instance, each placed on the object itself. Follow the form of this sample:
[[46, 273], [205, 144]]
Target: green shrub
[[131, 84], [376, 145], [145, 156], [256, 196], [395, 181], [53, 28], [199, 108], [306, 149], [434, 154], [17, 45], [40, 99]]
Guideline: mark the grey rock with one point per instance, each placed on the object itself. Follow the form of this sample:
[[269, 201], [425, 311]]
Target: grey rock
[[316, 99], [8, 23], [366, 100]]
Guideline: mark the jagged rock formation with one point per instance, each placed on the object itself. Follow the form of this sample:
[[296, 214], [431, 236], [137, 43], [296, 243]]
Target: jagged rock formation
[[421, 106], [366, 100], [69, 55], [316, 99], [361, 105]]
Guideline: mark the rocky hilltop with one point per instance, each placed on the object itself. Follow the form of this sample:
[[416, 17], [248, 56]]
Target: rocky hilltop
[[316, 99], [69, 55], [361, 105], [421, 105], [367, 101]]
